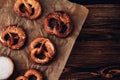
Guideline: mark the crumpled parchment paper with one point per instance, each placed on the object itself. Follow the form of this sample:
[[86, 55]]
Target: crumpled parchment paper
[[34, 29]]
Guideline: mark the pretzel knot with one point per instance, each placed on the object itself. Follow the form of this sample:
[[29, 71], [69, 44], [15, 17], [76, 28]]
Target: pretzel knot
[[42, 50], [30, 9], [58, 23], [13, 37]]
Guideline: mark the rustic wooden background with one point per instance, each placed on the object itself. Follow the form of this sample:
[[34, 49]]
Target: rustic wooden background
[[97, 49]]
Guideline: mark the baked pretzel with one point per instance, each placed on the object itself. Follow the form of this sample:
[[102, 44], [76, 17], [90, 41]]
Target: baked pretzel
[[21, 78], [33, 72], [42, 50], [13, 37], [58, 23], [29, 74], [30, 9]]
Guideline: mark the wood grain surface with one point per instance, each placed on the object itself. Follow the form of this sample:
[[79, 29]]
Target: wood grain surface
[[96, 53]]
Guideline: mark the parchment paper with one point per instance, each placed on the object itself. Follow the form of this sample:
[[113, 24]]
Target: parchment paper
[[34, 29]]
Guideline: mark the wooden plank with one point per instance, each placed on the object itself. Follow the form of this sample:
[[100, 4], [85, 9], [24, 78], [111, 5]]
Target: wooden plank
[[98, 44]]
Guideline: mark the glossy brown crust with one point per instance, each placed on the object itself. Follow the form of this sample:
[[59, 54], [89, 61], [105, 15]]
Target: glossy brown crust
[[34, 72], [48, 53], [36, 41], [38, 60], [10, 42], [21, 78], [29, 5], [60, 17]]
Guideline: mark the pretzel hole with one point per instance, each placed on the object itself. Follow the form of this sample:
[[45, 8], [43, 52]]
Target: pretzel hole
[[37, 45], [33, 10], [7, 37], [64, 27], [30, 5], [53, 23], [15, 37], [22, 8], [15, 41], [44, 48], [40, 55], [32, 77]]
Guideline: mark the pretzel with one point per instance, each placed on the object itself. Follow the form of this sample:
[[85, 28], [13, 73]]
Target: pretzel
[[42, 50], [13, 37], [58, 23], [33, 72], [30, 9], [21, 78], [28, 75]]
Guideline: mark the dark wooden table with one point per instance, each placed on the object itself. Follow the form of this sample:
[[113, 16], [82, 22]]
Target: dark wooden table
[[96, 53]]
